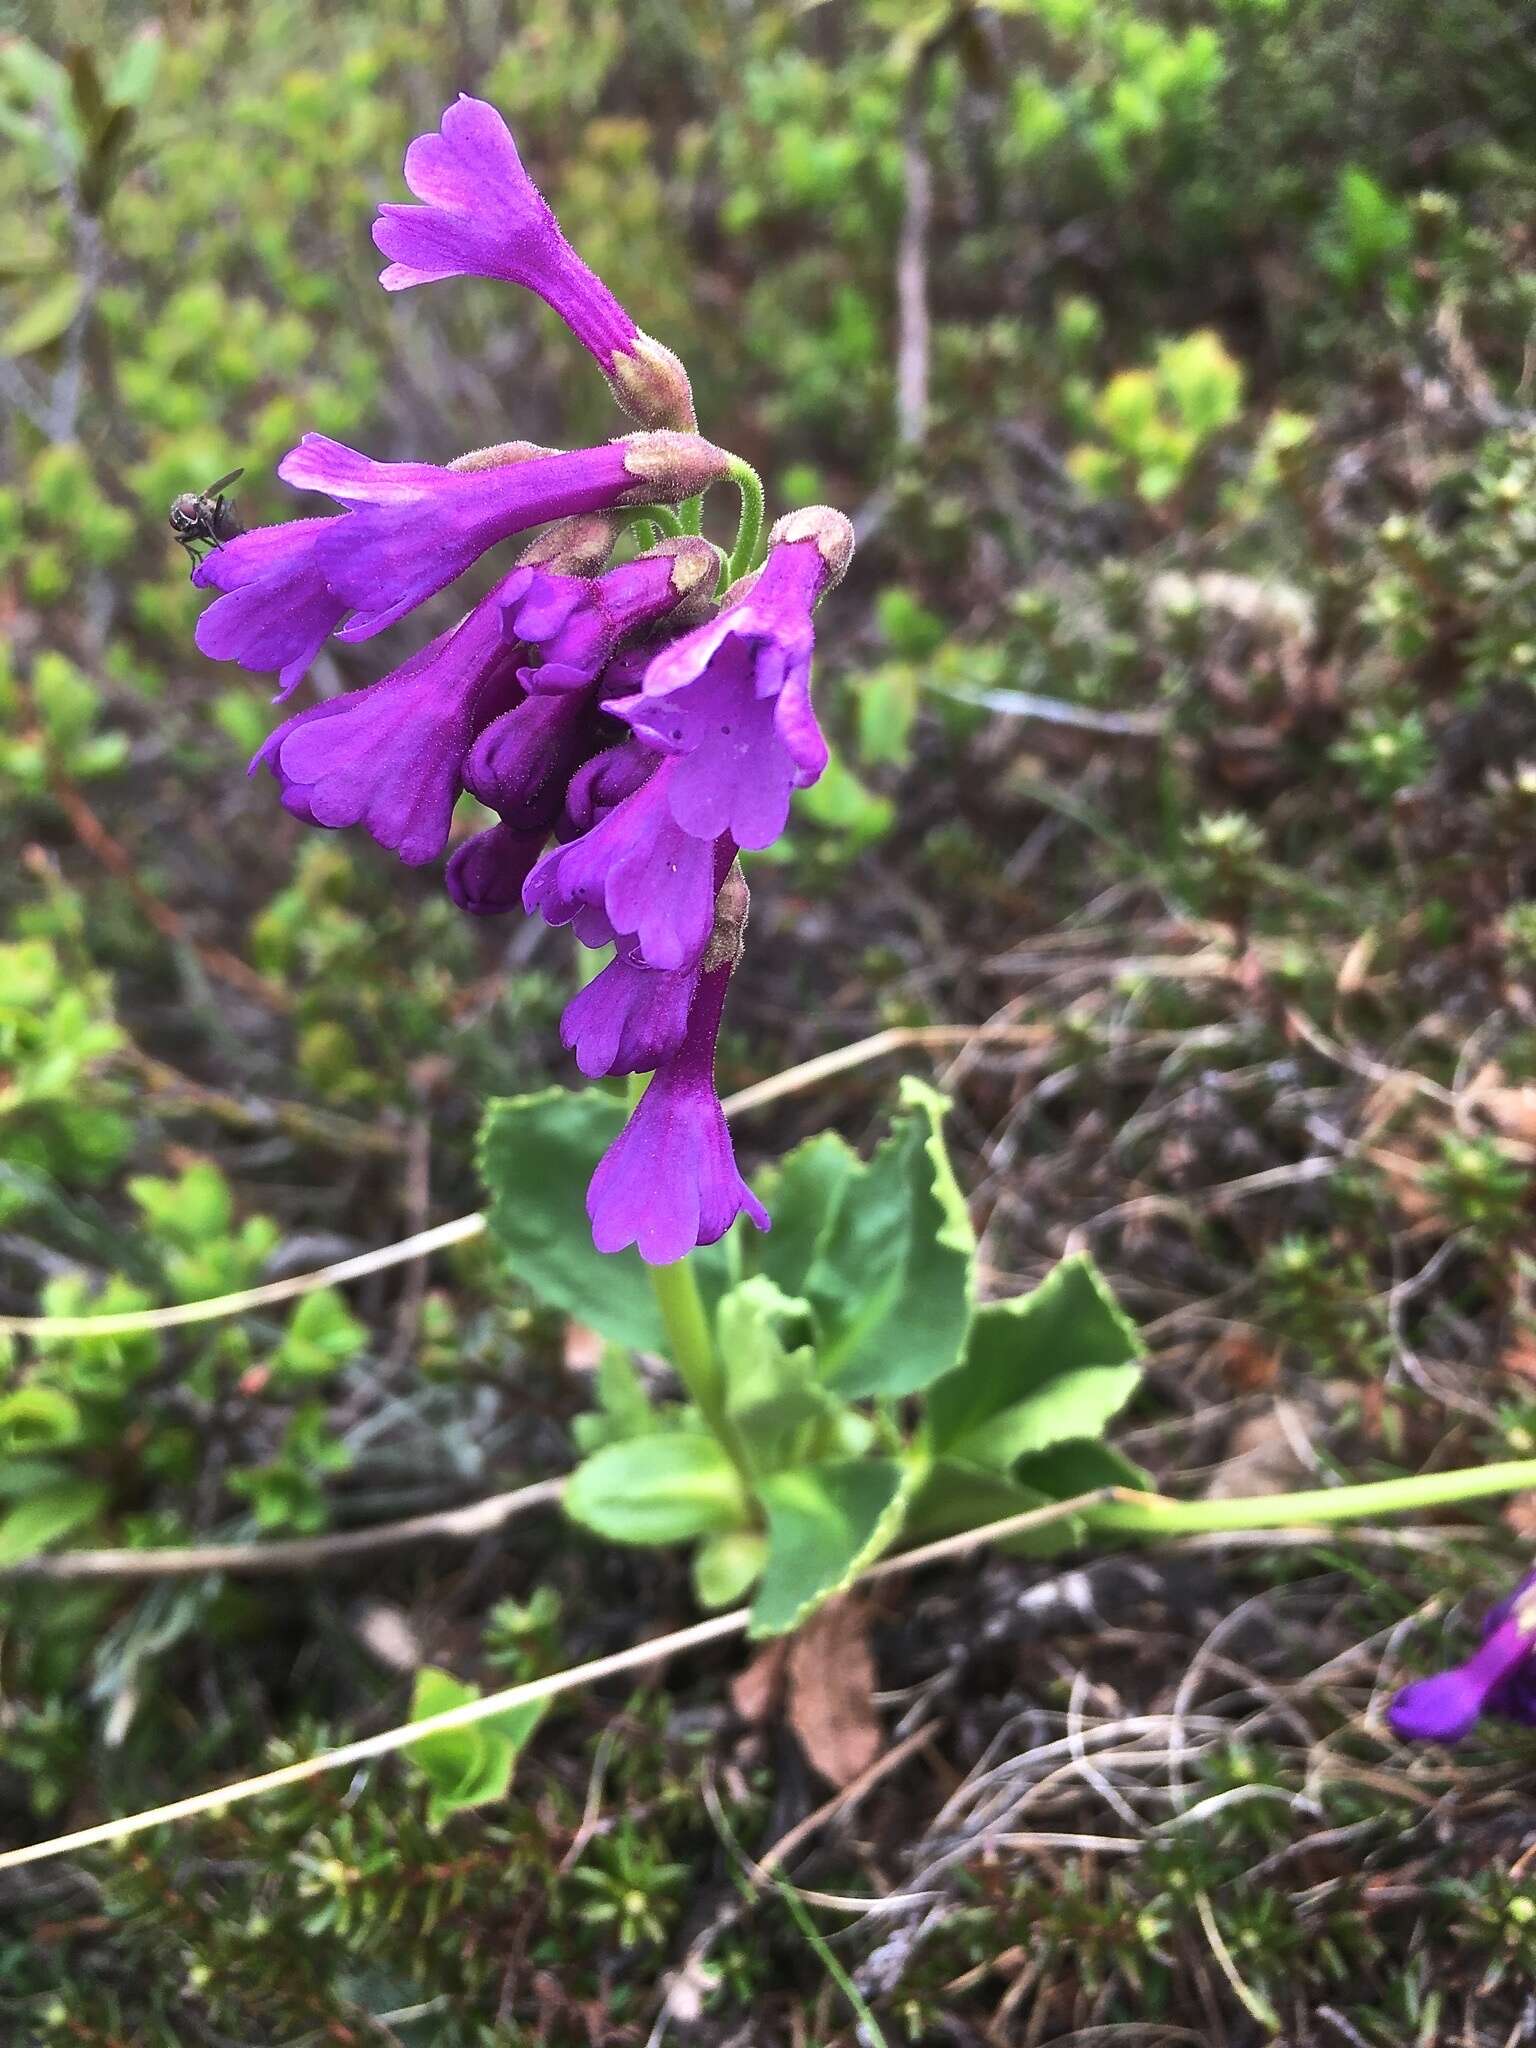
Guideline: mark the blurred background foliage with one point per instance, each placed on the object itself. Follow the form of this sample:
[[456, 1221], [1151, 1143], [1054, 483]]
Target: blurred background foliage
[[1177, 359]]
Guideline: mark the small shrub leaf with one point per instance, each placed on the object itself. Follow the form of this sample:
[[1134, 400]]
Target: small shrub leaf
[[42, 1518]]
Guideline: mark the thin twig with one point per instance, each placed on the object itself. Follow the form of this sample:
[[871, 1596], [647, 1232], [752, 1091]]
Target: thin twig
[[929, 1037], [763, 1868], [458, 1231], [1141, 725], [293, 1554], [391, 1740], [299, 1119], [912, 325], [117, 860]]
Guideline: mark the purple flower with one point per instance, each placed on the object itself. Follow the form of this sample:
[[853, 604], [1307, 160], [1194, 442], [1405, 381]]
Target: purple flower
[[1498, 1678], [630, 1018], [277, 608], [634, 874], [483, 216], [524, 759], [390, 757], [732, 698], [413, 528], [577, 623], [669, 1182], [485, 875]]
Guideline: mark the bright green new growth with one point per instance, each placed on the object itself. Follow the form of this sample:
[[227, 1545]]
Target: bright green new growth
[[855, 1392]]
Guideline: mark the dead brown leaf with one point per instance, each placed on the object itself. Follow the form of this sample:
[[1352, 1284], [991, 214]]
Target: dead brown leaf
[[758, 1692], [1518, 1358], [583, 1348], [1246, 1362], [831, 1673]]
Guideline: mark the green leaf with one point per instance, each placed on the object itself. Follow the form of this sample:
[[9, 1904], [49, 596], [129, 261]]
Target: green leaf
[[42, 323], [104, 166], [466, 1766], [1078, 1404], [657, 1489], [772, 1392], [1057, 1362], [1066, 1469], [537, 1153], [725, 1567], [22, 1477], [887, 703], [137, 66], [840, 803], [891, 1282], [36, 77], [825, 1524], [85, 88], [321, 1337], [37, 1419], [190, 1210], [802, 1195], [624, 1408], [955, 1496], [42, 1518], [1204, 381], [1058, 1474]]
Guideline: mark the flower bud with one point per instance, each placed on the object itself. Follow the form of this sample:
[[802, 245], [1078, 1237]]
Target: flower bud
[[696, 571], [651, 385], [578, 546], [727, 941], [832, 532], [501, 455], [671, 466]]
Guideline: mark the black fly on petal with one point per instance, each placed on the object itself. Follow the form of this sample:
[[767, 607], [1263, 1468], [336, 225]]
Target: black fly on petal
[[206, 518]]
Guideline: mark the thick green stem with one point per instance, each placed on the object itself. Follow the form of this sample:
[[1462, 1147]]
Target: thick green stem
[[1151, 1514], [689, 1344], [749, 532], [691, 514], [659, 518]]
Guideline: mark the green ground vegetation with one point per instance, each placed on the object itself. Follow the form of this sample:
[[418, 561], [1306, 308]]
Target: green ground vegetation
[[1184, 693]]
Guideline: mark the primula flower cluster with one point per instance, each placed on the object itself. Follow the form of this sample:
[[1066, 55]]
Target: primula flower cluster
[[632, 725]]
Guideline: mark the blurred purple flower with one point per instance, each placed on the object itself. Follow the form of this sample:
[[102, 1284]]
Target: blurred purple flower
[[732, 698], [483, 216], [277, 609], [1498, 1678], [669, 1182], [391, 757]]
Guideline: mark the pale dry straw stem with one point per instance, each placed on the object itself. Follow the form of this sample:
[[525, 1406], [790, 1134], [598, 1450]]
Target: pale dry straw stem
[[131, 1322], [899, 1038], [294, 1554], [391, 1740], [840, 1803]]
